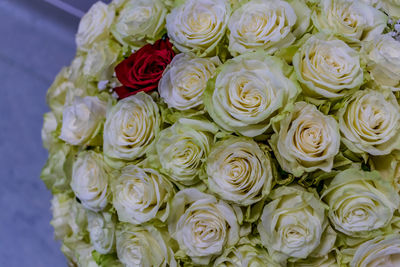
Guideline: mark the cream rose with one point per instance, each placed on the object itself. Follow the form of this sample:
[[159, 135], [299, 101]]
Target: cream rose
[[94, 25], [245, 254], [48, 130], [69, 83], [74, 71], [389, 168], [239, 171], [351, 21], [69, 218], [182, 149], [89, 181], [248, 91], [391, 7], [131, 126], [60, 207], [101, 60], [371, 2], [118, 3], [381, 251], [56, 173], [82, 120], [327, 68], [370, 122], [328, 260], [294, 225], [266, 24], [185, 79], [143, 246], [360, 202], [139, 22], [141, 195], [101, 228], [202, 225], [384, 61], [306, 140], [59, 92], [79, 253], [198, 25]]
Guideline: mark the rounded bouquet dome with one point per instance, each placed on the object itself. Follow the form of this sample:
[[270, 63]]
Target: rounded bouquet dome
[[228, 133]]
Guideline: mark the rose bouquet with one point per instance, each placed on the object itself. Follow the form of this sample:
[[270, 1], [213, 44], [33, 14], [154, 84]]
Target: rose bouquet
[[228, 133]]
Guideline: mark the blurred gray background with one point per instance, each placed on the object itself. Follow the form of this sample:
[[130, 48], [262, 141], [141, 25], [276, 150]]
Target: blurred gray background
[[36, 40]]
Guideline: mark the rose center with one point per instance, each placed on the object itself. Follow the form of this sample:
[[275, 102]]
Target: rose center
[[140, 14], [373, 117], [294, 235], [356, 216], [201, 22], [247, 97]]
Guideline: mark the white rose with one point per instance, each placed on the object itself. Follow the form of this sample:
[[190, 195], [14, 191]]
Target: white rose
[[141, 195], [144, 246], [49, 126], [182, 149], [56, 173], [101, 227], [202, 225], [74, 71], [294, 225], [266, 24], [94, 25], [384, 61], [351, 21], [381, 251], [101, 60], [389, 168], [306, 140], [118, 3], [69, 218], [198, 25], [139, 22], [391, 7], [59, 95], [371, 2], [79, 253], [82, 120], [327, 68], [131, 126], [248, 91], [325, 261], [66, 86], [239, 171], [370, 122], [360, 202], [60, 206], [245, 254], [185, 79], [90, 180]]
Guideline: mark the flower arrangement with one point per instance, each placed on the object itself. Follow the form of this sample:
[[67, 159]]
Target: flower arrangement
[[228, 133]]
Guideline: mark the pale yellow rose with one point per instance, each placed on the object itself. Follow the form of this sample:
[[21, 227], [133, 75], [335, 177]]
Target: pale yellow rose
[[384, 61], [350, 20], [198, 25], [131, 126], [370, 122], [185, 79], [267, 24], [327, 68], [94, 25], [140, 22], [306, 140]]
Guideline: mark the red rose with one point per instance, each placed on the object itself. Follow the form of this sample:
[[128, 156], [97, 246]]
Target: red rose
[[142, 70]]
